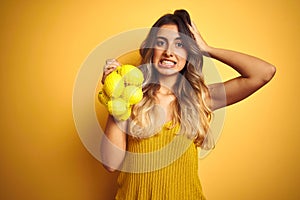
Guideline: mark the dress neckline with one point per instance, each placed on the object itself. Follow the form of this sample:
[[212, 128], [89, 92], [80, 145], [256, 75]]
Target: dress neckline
[[169, 125]]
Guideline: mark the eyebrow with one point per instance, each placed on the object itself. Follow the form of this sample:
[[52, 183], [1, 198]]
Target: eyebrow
[[164, 38]]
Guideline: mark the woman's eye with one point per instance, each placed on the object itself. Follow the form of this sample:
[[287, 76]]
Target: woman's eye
[[179, 44], [160, 43]]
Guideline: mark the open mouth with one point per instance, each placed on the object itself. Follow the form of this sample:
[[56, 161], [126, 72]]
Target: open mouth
[[165, 63]]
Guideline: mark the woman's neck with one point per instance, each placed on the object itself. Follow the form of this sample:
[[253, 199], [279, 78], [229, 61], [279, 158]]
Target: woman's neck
[[165, 91], [167, 83]]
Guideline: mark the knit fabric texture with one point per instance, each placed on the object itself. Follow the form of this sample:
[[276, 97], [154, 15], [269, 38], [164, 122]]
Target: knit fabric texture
[[166, 168]]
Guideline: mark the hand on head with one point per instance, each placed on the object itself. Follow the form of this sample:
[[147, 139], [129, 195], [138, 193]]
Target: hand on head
[[200, 41]]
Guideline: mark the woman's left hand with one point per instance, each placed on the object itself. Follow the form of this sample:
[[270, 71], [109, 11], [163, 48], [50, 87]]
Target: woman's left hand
[[200, 41], [254, 73]]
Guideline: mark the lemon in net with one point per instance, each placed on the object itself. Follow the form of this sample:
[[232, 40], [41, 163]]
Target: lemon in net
[[113, 85], [131, 74], [103, 98], [132, 94], [125, 115], [117, 106]]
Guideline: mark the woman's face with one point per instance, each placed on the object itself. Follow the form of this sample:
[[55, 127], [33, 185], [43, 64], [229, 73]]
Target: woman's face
[[169, 52]]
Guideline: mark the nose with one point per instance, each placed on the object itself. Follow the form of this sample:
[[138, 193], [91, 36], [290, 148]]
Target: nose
[[169, 51]]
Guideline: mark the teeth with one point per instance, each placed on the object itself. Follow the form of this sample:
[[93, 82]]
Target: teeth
[[167, 62]]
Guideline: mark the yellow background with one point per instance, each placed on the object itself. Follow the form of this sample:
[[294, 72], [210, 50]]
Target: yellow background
[[43, 44]]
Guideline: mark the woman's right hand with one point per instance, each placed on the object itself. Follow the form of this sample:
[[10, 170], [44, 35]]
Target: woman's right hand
[[110, 66]]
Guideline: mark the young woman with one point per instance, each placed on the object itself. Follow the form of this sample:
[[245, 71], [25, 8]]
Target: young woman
[[156, 150]]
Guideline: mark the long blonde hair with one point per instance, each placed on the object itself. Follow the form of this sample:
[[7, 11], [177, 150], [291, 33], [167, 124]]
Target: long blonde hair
[[190, 107]]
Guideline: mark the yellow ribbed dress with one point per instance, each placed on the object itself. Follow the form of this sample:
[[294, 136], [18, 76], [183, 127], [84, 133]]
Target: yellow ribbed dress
[[155, 176]]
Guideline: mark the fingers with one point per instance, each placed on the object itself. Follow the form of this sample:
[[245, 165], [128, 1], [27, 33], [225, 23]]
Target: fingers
[[194, 27], [201, 42], [110, 66]]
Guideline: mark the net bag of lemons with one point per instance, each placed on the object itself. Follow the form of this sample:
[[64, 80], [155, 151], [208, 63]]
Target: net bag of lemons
[[122, 89]]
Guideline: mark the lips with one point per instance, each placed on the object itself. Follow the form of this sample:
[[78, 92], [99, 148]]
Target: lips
[[166, 63]]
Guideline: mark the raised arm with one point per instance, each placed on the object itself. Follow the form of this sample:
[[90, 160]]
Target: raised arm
[[254, 73], [113, 144]]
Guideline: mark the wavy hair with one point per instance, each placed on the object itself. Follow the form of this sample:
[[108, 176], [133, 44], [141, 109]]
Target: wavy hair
[[190, 107]]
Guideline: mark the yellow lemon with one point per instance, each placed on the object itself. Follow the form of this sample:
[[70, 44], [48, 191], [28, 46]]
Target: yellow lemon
[[118, 69], [103, 98], [113, 85], [131, 74], [117, 106], [132, 94], [124, 69], [125, 115]]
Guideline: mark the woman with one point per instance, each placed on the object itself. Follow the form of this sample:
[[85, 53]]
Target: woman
[[175, 111]]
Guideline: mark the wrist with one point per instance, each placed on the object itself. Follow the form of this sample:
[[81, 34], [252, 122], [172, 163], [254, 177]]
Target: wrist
[[206, 50]]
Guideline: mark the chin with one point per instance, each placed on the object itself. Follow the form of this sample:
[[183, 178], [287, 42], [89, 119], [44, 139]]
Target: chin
[[167, 72]]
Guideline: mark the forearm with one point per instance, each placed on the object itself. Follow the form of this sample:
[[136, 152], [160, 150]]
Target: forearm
[[247, 66], [254, 72], [113, 145]]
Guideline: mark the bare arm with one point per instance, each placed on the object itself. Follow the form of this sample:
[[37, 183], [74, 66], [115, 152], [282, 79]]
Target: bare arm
[[113, 144], [254, 73]]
